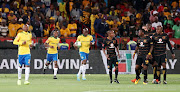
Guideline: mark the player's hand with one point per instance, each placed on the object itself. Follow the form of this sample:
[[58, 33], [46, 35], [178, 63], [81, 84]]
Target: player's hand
[[24, 43], [107, 56], [148, 56], [51, 46], [119, 56], [31, 45], [173, 56], [58, 47], [134, 55]]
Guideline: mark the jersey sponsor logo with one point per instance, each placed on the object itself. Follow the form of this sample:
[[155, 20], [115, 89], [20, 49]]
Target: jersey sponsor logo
[[141, 44], [111, 45], [160, 41]]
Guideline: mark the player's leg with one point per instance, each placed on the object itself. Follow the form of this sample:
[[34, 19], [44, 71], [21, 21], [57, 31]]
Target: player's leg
[[158, 69], [145, 67], [84, 69], [82, 56], [137, 69], [20, 59], [49, 59], [27, 69], [115, 62], [109, 63], [154, 65], [164, 60], [55, 59]]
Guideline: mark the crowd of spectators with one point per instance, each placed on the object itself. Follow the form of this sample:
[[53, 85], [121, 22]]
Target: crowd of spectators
[[125, 17]]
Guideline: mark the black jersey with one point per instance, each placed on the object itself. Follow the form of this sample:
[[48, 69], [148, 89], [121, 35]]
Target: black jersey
[[144, 45], [110, 46], [159, 42], [150, 33]]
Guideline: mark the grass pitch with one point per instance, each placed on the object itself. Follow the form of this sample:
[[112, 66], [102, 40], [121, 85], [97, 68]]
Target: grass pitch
[[94, 83]]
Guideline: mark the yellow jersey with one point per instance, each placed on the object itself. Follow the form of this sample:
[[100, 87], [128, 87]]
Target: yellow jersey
[[20, 38], [85, 43], [53, 42], [12, 29], [65, 32], [72, 26]]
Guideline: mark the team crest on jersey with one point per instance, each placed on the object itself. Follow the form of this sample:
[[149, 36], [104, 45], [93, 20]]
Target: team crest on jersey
[[164, 37], [141, 44], [160, 41], [111, 45]]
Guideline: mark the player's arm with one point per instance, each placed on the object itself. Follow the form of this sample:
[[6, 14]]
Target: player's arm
[[151, 48], [16, 41], [30, 42], [135, 51], [117, 48], [92, 42], [170, 47], [47, 43], [103, 49]]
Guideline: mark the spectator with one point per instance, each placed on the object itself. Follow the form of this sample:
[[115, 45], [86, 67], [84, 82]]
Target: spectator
[[115, 26], [36, 23], [124, 29], [102, 28], [176, 29], [156, 23], [168, 30], [38, 12], [113, 16], [62, 9], [75, 13], [72, 26], [52, 25], [93, 18], [166, 12], [153, 17], [97, 21], [63, 45], [109, 21], [65, 31], [20, 25], [4, 29], [11, 16], [169, 21], [40, 45], [71, 3], [174, 4], [126, 18], [58, 17], [12, 28], [85, 3], [131, 45], [112, 10], [46, 31], [177, 18], [86, 17], [43, 9], [30, 27], [51, 11], [161, 17]]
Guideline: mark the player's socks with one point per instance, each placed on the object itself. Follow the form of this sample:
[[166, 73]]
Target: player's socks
[[164, 73], [27, 71], [145, 75], [84, 72], [158, 75], [115, 80], [110, 75], [155, 72], [19, 73], [44, 69], [55, 71], [137, 74], [80, 70], [116, 74]]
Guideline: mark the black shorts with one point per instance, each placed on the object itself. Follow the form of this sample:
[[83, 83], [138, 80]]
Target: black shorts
[[113, 61], [160, 59], [142, 60]]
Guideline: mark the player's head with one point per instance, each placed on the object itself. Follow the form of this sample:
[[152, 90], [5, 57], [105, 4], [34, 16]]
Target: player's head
[[159, 29], [111, 33], [85, 31], [55, 33], [25, 27], [141, 32], [145, 28]]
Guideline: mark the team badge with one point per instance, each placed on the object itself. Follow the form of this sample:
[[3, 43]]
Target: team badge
[[141, 44], [160, 41], [145, 41], [164, 37]]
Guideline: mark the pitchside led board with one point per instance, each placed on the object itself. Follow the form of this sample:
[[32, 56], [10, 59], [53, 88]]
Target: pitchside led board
[[69, 62]]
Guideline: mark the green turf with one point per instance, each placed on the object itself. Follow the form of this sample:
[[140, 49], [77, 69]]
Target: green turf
[[94, 83]]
